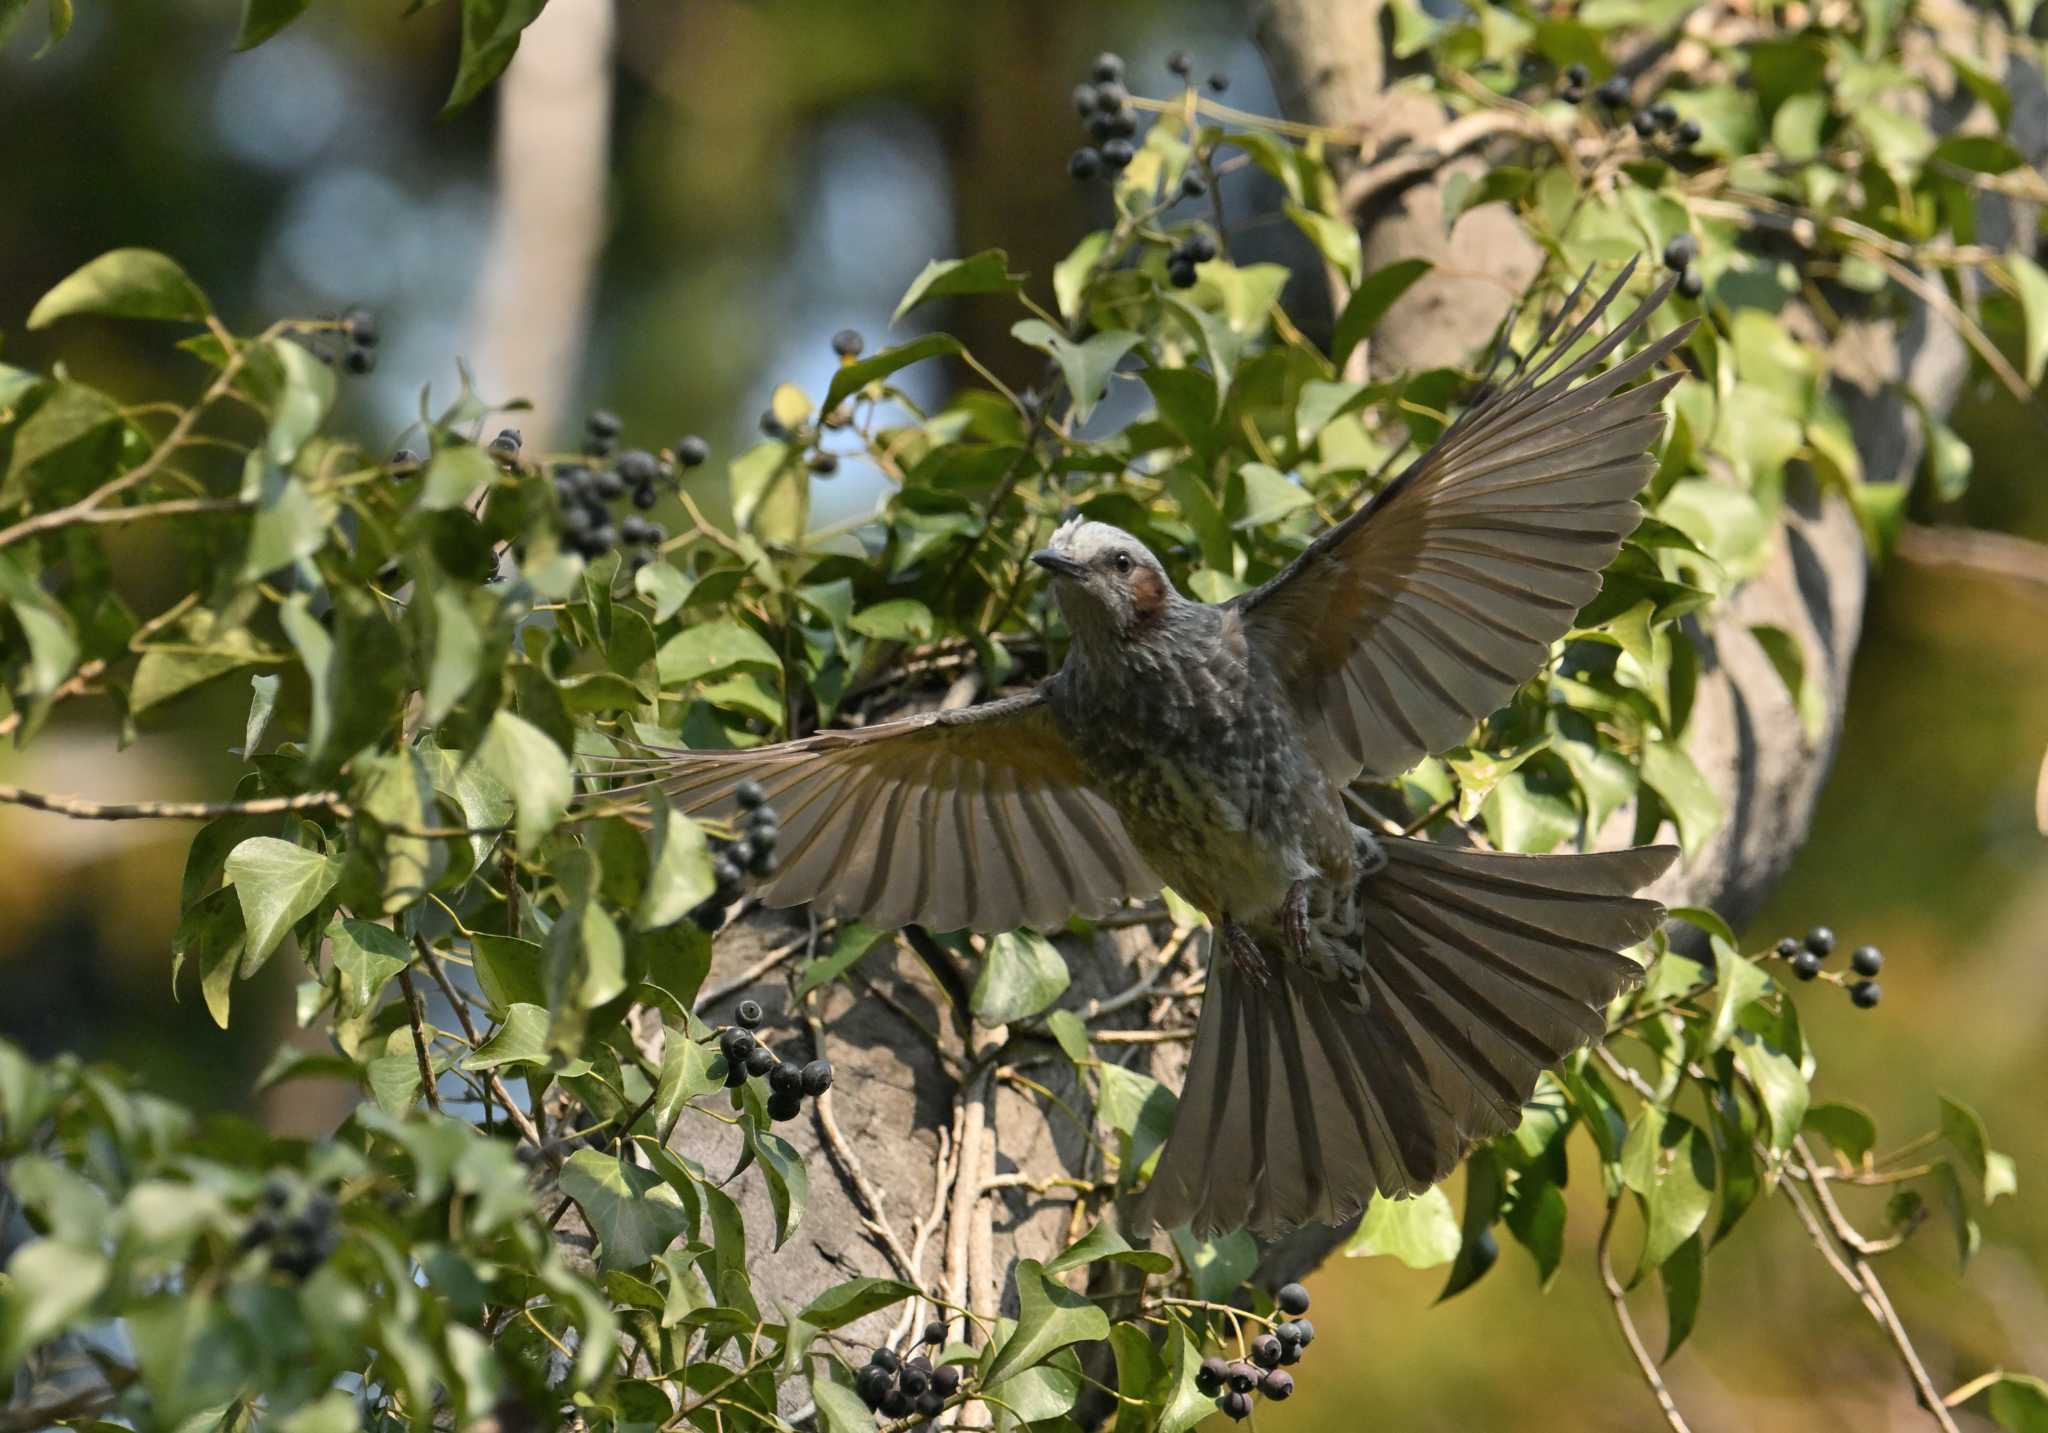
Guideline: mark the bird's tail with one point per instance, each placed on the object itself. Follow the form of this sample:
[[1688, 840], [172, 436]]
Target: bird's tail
[[1481, 969]]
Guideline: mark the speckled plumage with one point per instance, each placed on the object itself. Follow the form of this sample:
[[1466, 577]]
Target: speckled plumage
[[1381, 1002]]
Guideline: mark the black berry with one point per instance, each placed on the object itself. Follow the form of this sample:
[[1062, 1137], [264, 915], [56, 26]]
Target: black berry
[[817, 1078], [1235, 1405], [824, 464], [848, 343], [935, 1331], [1241, 1377], [1181, 63], [1865, 994], [1084, 163], [1277, 1385], [361, 325], [1193, 185], [507, 442], [1613, 92], [1664, 113], [1292, 1301], [1266, 1351], [946, 1379], [928, 1405], [914, 1380], [1219, 82], [1821, 941], [603, 424], [359, 361], [761, 1062], [896, 1403], [1575, 75], [1788, 947], [749, 794], [737, 1045], [1084, 100], [1687, 134], [885, 1358], [1644, 123], [645, 497], [637, 466], [1692, 283], [1866, 960], [1118, 153], [748, 1015], [1681, 251], [1209, 1377], [1305, 1331], [786, 1080], [1108, 68], [1111, 97], [608, 485], [1806, 965], [692, 451], [1180, 272]]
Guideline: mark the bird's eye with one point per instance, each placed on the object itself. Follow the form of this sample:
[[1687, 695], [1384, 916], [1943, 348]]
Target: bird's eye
[[1123, 562]]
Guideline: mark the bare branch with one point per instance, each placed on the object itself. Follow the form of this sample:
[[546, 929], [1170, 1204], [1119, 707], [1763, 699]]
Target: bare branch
[[1618, 1297]]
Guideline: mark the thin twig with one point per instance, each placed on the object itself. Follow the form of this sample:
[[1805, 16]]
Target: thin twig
[[413, 1017], [1618, 1296], [81, 810], [72, 686], [872, 1218]]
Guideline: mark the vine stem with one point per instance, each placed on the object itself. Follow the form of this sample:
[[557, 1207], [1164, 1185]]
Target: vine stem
[[419, 1039], [1618, 1297]]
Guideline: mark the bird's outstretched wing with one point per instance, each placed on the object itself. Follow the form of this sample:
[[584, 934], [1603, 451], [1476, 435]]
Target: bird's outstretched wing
[[977, 819], [1421, 612]]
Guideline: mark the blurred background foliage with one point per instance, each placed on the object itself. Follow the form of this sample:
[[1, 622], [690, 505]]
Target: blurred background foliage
[[781, 170]]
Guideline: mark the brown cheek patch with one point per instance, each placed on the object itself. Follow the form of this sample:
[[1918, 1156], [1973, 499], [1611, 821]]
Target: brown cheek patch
[[1148, 595]]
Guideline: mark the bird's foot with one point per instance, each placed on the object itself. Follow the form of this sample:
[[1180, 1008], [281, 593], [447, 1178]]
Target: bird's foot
[[1244, 953], [1294, 924], [1371, 852]]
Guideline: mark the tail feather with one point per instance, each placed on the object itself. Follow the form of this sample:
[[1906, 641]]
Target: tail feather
[[1306, 1096]]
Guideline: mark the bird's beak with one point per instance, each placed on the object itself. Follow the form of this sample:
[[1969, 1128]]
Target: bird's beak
[[1057, 564]]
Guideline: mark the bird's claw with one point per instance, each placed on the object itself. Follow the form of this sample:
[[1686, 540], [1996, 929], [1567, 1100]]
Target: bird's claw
[[1245, 953], [1294, 923]]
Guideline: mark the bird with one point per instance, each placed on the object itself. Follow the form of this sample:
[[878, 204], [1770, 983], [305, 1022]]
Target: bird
[[1375, 1003]]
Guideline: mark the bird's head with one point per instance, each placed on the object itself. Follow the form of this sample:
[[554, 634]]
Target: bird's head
[[1108, 583]]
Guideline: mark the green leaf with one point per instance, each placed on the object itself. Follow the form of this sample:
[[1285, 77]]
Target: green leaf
[[1087, 365], [262, 703], [1138, 1108], [2032, 280], [126, 283], [1669, 1163], [1849, 1128], [987, 272], [1537, 1219], [304, 396], [277, 884], [1105, 1242], [49, 1284], [680, 877], [522, 1040], [789, 1183], [1021, 974], [852, 377], [1216, 1267], [1964, 1130], [1738, 981], [842, 1304], [290, 522], [1421, 1232], [1268, 496], [529, 764], [1780, 1088], [508, 972], [454, 473], [633, 1212], [688, 1069], [712, 647], [1050, 1317], [490, 37], [901, 619], [839, 1407], [366, 955], [1789, 661], [1683, 1274], [1337, 239], [1670, 772], [263, 18], [1369, 303], [53, 648], [849, 947], [1070, 275], [2018, 1403], [1185, 1405]]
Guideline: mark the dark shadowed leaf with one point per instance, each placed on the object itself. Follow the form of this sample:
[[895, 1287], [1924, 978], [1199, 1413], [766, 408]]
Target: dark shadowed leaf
[[1369, 303], [1021, 974], [490, 37], [853, 377], [263, 18]]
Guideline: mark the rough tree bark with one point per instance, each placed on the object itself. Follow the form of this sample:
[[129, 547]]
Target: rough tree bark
[[933, 1160]]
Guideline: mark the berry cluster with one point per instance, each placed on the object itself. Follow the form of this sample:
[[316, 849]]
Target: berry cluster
[[900, 1387], [1678, 257], [300, 1242], [1232, 1384], [747, 1058], [1181, 65], [1648, 122], [585, 492], [751, 853], [349, 341], [1196, 248], [1105, 109], [1809, 960]]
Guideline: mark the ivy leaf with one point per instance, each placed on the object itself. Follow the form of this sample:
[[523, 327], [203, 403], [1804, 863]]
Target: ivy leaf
[[1087, 365], [523, 1040], [1217, 1266], [1781, 1089], [53, 648], [688, 1069], [1421, 1232], [366, 955], [901, 619], [304, 396], [508, 972], [680, 878], [1104, 1241], [633, 1212], [2018, 1403], [1070, 275], [789, 1183], [1050, 1317], [1849, 1128], [712, 647], [1337, 239], [1139, 1109], [490, 37], [1670, 772], [126, 283], [49, 1284], [1789, 661], [290, 522], [987, 272], [2032, 280], [849, 947], [1184, 1404], [839, 1407], [1669, 1163], [277, 885], [1021, 974], [1369, 303], [263, 18], [524, 758], [1537, 1219], [1738, 982], [852, 377], [1268, 496], [1683, 1274], [842, 1304], [454, 472]]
